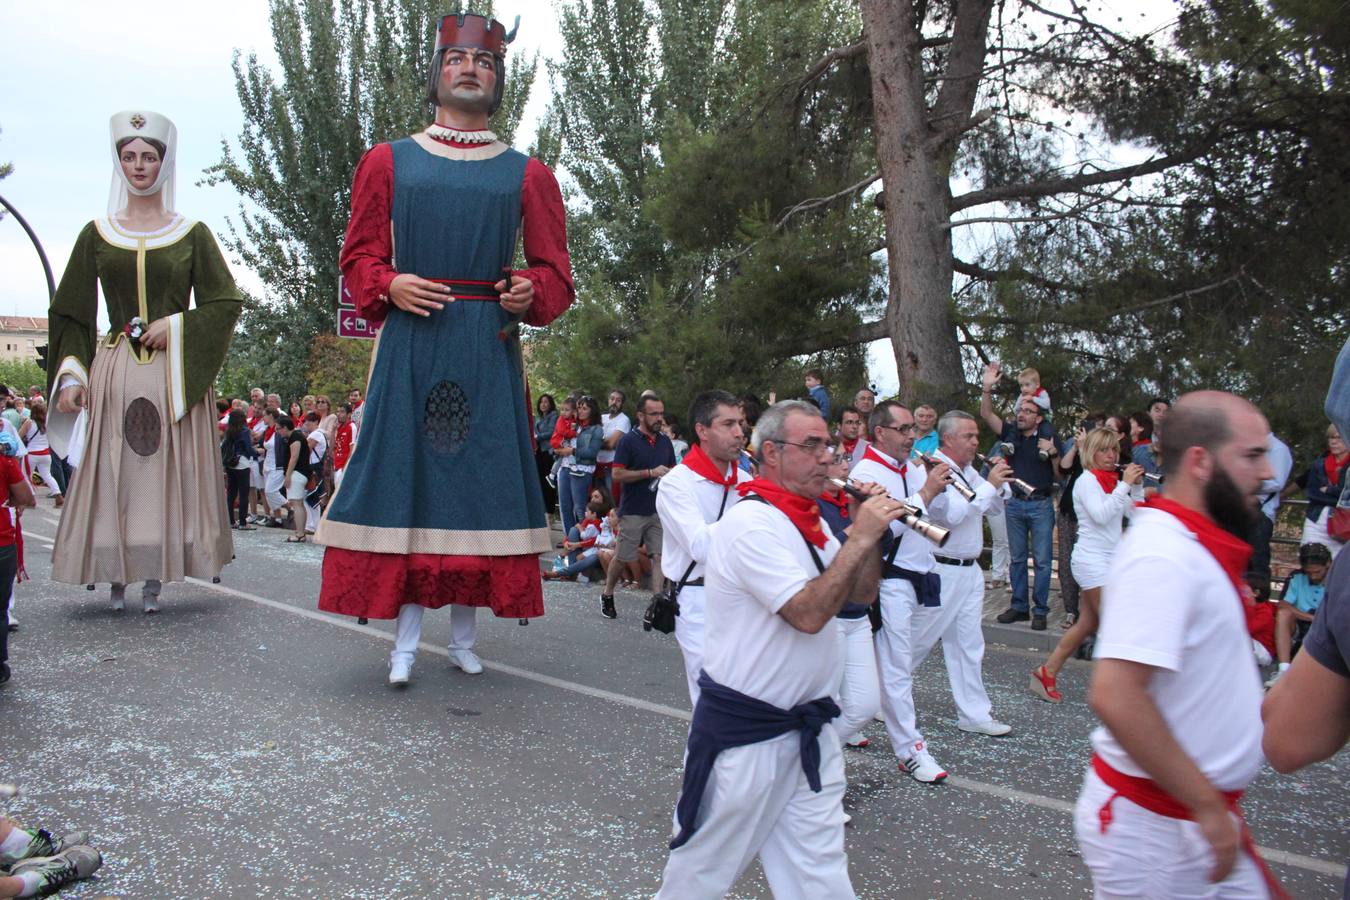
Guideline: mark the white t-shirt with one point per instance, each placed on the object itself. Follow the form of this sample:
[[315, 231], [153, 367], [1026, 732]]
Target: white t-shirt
[[609, 425], [687, 504], [269, 454], [320, 445], [915, 552], [1169, 604], [757, 561], [1100, 516]]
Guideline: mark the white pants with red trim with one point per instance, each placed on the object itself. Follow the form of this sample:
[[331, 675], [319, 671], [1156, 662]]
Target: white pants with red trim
[[908, 634], [758, 803], [689, 635], [860, 690], [408, 632], [1151, 857]]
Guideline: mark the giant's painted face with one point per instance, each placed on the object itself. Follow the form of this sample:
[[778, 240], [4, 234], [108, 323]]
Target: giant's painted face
[[140, 164], [468, 79]]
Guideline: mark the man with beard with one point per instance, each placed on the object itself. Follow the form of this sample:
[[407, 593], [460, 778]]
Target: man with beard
[[851, 442], [1174, 685], [440, 504], [693, 496], [614, 424]]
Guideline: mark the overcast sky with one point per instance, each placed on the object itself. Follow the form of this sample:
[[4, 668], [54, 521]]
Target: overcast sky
[[66, 67]]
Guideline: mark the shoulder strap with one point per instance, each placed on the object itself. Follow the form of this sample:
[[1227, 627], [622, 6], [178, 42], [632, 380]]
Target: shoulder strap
[[815, 557], [726, 492]]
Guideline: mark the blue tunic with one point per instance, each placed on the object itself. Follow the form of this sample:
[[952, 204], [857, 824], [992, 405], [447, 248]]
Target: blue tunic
[[444, 462]]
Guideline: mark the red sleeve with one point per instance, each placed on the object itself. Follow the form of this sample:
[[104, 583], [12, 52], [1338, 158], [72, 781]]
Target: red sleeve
[[13, 471], [545, 225], [367, 259], [560, 433]]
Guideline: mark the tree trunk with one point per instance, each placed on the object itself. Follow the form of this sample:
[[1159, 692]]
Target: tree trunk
[[914, 173]]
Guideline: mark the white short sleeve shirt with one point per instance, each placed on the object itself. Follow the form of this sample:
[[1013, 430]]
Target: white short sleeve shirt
[[609, 425], [1169, 604], [757, 561]]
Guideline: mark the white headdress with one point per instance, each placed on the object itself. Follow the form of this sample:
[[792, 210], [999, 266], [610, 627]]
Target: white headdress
[[151, 126]]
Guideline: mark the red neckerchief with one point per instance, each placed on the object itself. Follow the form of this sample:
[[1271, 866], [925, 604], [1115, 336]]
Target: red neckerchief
[[267, 435], [849, 446], [1334, 468], [1148, 443], [801, 511], [1231, 552], [838, 499], [704, 467], [1108, 480], [872, 454]]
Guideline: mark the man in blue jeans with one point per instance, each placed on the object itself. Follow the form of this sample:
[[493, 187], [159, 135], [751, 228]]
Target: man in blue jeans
[[1031, 520]]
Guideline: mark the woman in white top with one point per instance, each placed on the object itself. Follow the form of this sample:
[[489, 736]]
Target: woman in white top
[[1102, 498], [39, 458]]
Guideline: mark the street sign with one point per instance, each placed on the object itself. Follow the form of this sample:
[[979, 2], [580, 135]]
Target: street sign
[[349, 324]]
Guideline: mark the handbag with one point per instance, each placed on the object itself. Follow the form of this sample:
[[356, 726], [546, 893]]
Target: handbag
[[1338, 516]]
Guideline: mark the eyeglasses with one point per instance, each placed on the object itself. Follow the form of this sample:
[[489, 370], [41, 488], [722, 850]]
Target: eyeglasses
[[815, 446], [903, 429]]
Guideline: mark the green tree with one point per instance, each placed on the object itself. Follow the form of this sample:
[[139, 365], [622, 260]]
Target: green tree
[[351, 74]]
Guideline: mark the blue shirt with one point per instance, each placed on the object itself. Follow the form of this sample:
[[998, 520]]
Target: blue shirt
[[1026, 461], [819, 394], [637, 452], [1302, 594], [928, 444]]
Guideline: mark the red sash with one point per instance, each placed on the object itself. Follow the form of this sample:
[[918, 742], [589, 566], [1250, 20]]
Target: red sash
[[1146, 793]]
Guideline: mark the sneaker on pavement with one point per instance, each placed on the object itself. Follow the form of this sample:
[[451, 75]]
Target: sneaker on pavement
[[993, 728], [1038, 623], [858, 742], [923, 768], [466, 660], [1274, 677], [44, 843], [66, 867], [399, 672], [607, 606], [1010, 615]]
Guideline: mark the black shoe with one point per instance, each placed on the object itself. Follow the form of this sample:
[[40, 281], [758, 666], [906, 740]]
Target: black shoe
[[607, 606], [1010, 615], [4, 672], [1038, 623]]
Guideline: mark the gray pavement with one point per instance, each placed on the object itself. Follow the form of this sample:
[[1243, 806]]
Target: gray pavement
[[242, 744]]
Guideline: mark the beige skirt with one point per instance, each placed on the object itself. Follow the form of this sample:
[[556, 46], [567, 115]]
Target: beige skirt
[[148, 500]]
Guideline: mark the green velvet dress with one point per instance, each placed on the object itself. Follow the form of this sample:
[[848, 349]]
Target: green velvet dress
[[146, 501]]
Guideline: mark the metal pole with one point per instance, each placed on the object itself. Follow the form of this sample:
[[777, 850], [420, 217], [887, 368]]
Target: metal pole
[[37, 245]]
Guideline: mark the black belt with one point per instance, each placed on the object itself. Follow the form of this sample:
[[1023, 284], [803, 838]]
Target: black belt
[[952, 561], [697, 582], [1038, 494]]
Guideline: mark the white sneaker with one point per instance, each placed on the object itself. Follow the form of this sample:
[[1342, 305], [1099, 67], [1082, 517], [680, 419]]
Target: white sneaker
[[466, 660], [993, 728], [858, 741], [399, 672], [1274, 677], [922, 767]]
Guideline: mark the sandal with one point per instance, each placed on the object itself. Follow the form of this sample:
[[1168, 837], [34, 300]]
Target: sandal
[[1070, 620], [296, 540], [1043, 686]]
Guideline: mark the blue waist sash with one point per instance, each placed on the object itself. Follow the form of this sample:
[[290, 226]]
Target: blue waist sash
[[725, 718], [927, 585]]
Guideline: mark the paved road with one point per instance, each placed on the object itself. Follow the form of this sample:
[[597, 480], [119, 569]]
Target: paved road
[[242, 744]]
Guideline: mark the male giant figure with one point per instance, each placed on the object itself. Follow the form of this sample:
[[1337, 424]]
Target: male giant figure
[[440, 503]]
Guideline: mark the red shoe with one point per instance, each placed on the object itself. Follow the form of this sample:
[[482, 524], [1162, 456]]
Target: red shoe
[[1043, 686]]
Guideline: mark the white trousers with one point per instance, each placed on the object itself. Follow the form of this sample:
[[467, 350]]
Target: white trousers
[[909, 632], [337, 477], [42, 465], [276, 501], [998, 532], [463, 630], [860, 690], [758, 803], [1146, 856], [1315, 532], [689, 634]]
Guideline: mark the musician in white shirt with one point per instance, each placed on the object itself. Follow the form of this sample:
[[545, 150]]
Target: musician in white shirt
[[693, 496], [957, 622], [907, 581]]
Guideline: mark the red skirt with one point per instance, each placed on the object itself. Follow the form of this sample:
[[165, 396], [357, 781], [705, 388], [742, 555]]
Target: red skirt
[[375, 585]]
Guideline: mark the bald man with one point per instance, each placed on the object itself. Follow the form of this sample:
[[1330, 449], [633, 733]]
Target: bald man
[[1174, 684]]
